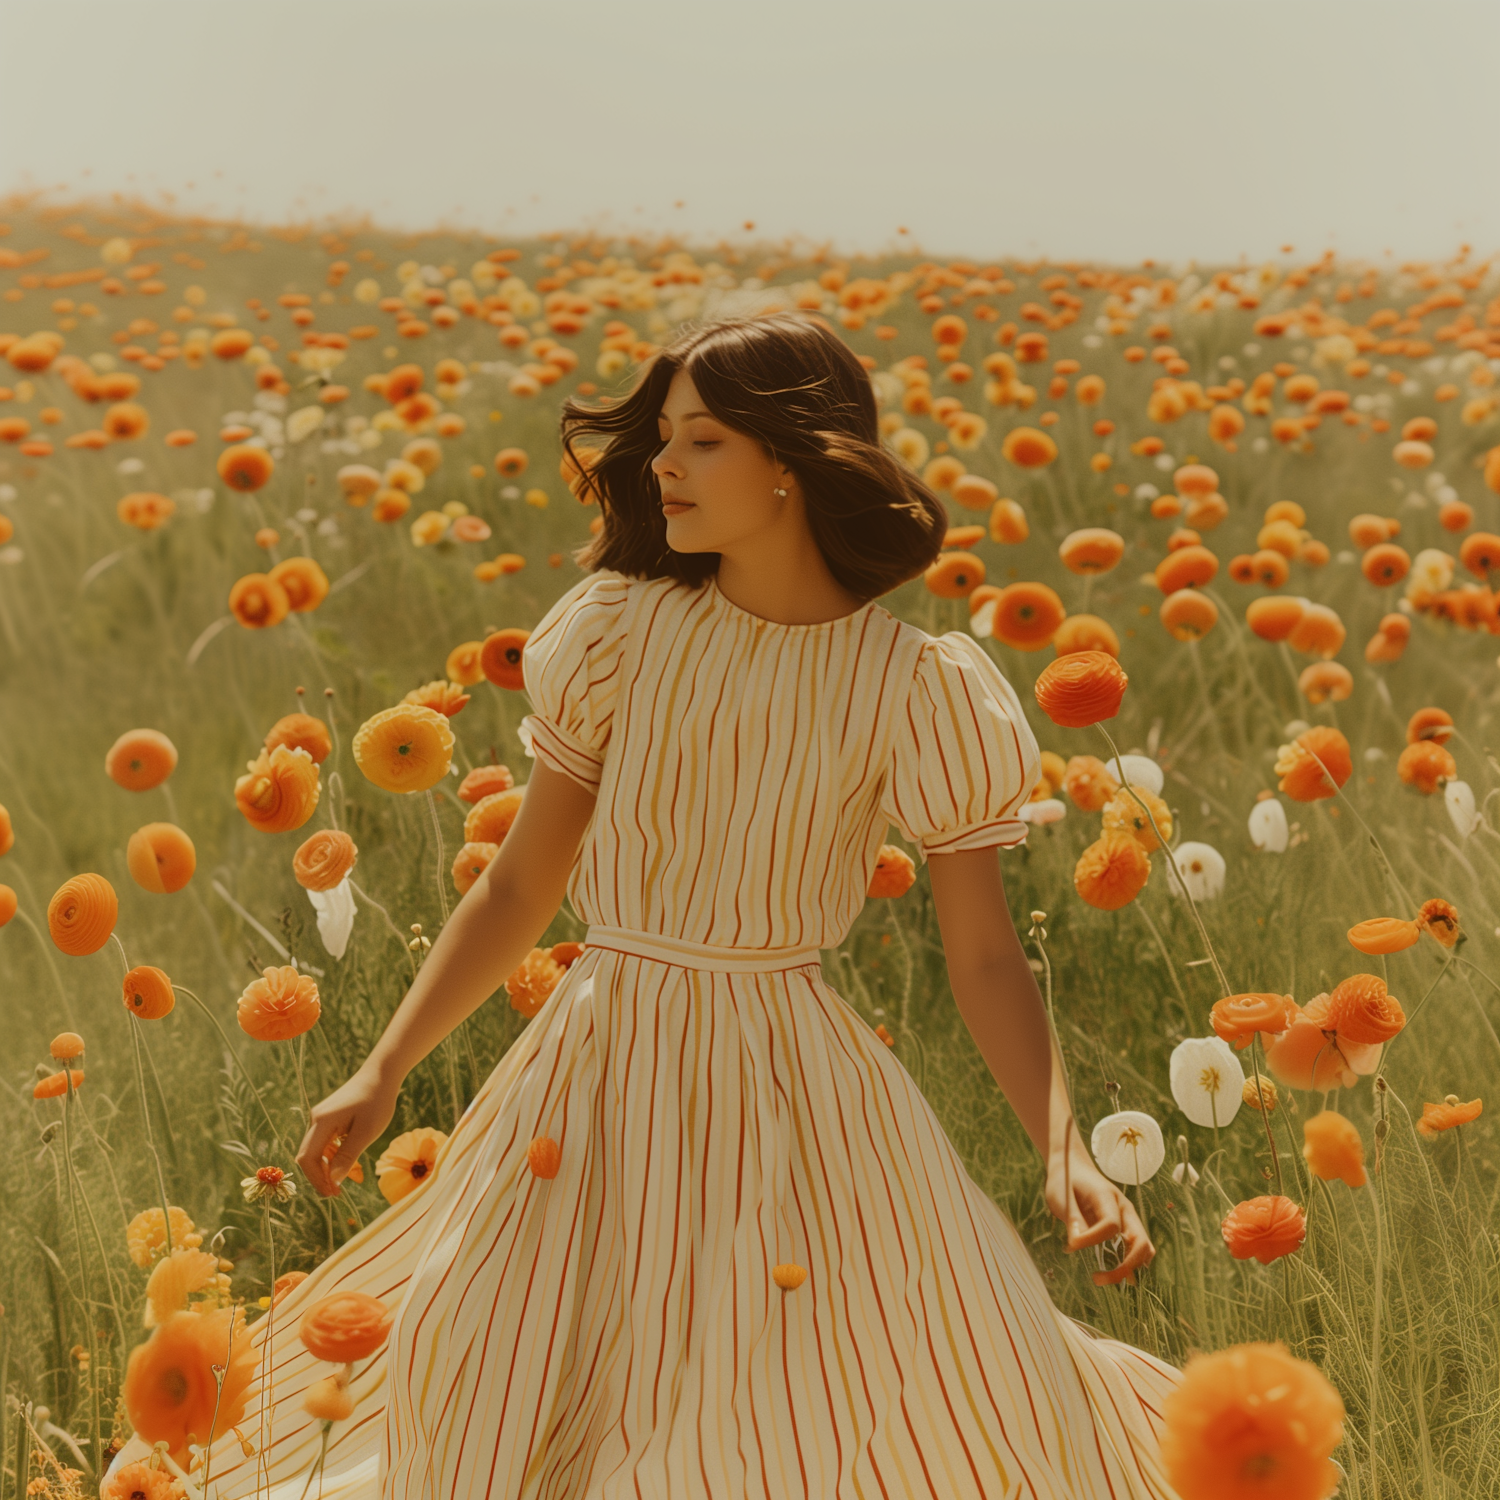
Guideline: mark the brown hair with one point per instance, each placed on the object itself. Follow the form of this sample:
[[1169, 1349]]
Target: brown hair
[[787, 380]]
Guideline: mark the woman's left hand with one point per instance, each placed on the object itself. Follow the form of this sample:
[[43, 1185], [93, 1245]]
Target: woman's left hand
[[1095, 1211]]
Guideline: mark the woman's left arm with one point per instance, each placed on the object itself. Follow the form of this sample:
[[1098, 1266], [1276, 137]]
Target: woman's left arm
[[997, 996]]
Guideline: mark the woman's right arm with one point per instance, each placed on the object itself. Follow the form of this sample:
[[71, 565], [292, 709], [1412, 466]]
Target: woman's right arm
[[493, 928]]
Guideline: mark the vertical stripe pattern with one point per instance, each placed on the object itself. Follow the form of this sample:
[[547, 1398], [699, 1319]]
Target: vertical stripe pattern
[[615, 1331]]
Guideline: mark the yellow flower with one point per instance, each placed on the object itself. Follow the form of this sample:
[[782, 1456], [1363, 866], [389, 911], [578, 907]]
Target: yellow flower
[[146, 1232], [407, 748], [176, 1277]]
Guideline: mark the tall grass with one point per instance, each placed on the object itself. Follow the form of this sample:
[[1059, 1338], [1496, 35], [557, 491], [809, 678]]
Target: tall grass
[[96, 626]]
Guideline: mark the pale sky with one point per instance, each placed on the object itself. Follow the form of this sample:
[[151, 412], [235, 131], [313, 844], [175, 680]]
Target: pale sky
[[1072, 128]]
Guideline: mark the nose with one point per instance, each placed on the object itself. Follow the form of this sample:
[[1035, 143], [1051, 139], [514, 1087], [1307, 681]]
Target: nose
[[663, 462]]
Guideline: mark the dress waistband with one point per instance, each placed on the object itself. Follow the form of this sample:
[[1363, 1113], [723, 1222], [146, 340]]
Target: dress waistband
[[687, 955]]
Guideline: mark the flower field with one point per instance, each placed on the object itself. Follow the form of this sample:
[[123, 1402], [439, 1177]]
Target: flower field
[[277, 510]]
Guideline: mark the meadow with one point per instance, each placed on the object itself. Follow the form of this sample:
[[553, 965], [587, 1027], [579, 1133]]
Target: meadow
[[255, 477]]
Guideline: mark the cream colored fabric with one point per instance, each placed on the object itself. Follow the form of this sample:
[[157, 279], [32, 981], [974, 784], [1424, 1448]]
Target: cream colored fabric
[[615, 1331]]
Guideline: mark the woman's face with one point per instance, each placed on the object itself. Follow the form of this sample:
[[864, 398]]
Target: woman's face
[[722, 482]]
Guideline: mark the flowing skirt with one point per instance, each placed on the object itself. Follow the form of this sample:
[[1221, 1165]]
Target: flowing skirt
[[616, 1330]]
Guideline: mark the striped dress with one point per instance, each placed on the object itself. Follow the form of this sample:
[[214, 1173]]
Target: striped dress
[[615, 1331]]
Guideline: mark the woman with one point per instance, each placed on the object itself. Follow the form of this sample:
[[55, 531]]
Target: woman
[[725, 723]]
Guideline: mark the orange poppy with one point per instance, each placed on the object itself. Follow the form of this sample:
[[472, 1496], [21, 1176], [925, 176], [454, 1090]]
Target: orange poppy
[[171, 1393], [55, 1085], [1091, 550], [1315, 765], [1384, 935], [1081, 688], [533, 981], [1274, 618], [974, 492], [441, 696], [161, 858], [1439, 918], [463, 666], [323, 860], [279, 790], [82, 914], [144, 509], [954, 575], [1251, 1422], [1008, 522], [126, 420], [1264, 1229], [1133, 810], [895, 873], [245, 467], [1088, 783], [1361, 1011], [1319, 632], [148, 993], [408, 1162], [485, 781], [1188, 615], [1086, 633], [1185, 567], [1308, 1055], [1028, 448], [139, 1481], [140, 759], [305, 583], [511, 461], [1241, 1018], [544, 1157], [1426, 765], [1436, 1118], [1112, 871], [500, 657], [408, 748], [1427, 723], [470, 863], [345, 1327], [1385, 564], [301, 732], [490, 819], [258, 601], [1480, 553], [280, 1005], [328, 1399], [1333, 1148], [1027, 616], [7, 832], [9, 905]]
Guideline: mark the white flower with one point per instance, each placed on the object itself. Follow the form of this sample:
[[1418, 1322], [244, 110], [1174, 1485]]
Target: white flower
[[1268, 828], [1185, 1169], [1128, 1147], [335, 909], [303, 423], [1044, 810], [982, 621], [1207, 1080], [1141, 769], [1459, 796], [1202, 868]]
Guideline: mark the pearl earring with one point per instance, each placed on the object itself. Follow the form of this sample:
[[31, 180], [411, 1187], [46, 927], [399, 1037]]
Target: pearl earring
[[780, 492]]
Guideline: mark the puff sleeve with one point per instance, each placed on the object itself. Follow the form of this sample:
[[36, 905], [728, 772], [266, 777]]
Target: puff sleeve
[[571, 668], [965, 760]]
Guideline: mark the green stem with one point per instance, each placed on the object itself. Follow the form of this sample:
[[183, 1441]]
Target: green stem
[[161, 1181], [83, 1277], [1375, 1338]]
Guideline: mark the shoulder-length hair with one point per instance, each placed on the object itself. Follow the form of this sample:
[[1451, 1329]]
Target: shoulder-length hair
[[787, 380]]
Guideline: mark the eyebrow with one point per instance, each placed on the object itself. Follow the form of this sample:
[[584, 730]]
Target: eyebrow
[[661, 416]]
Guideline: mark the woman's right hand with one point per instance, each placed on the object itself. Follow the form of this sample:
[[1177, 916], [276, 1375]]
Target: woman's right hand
[[352, 1117]]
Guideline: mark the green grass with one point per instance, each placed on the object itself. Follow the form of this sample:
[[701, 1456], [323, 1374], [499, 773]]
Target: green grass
[[89, 651]]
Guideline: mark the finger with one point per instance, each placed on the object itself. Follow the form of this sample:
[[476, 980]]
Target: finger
[[310, 1156], [1105, 1227], [1113, 1278]]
